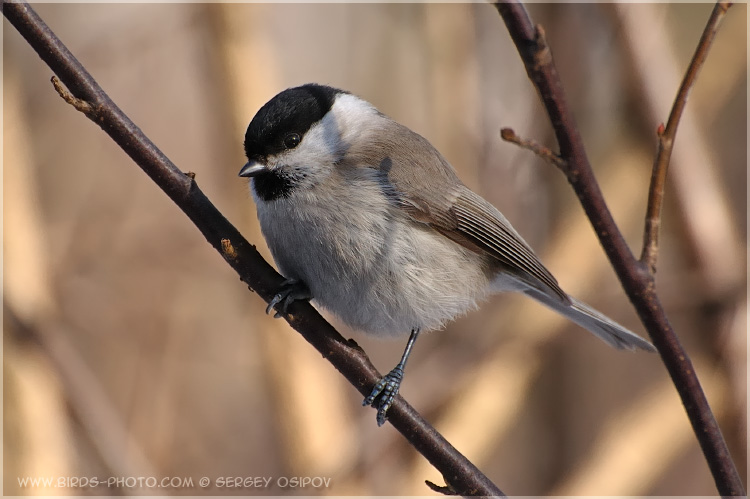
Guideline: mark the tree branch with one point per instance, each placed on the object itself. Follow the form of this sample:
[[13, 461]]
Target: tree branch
[[509, 135], [666, 137], [346, 356], [635, 277]]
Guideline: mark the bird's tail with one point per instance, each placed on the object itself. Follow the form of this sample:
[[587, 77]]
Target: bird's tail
[[592, 320]]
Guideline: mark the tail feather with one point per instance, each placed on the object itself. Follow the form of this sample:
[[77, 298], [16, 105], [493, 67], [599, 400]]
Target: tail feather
[[594, 321]]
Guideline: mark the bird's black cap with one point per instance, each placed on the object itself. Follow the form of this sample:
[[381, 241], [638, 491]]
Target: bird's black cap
[[294, 110]]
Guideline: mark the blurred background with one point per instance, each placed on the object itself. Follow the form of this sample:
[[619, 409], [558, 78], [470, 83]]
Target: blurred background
[[131, 349]]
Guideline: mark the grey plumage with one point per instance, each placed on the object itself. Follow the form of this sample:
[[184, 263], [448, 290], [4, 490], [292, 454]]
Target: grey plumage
[[380, 228], [377, 225]]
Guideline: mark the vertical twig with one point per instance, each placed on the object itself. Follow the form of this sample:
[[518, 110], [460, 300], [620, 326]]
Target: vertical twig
[[666, 137], [635, 277]]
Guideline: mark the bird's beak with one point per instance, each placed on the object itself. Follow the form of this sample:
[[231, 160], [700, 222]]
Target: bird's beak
[[252, 168]]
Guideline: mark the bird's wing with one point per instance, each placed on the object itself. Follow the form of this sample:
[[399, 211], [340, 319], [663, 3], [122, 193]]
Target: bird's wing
[[431, 193], [484, 225]]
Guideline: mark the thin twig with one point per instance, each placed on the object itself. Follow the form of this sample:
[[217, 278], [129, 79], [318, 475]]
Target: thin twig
[[80, 104], [446, 490], [346, 356], [635, 277], [666, 137], [543, 152]]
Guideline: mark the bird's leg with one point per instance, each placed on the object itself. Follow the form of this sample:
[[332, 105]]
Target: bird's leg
[[291, 290], [387, 388]]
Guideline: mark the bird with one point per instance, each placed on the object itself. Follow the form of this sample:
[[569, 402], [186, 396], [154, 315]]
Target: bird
[[366, 219]]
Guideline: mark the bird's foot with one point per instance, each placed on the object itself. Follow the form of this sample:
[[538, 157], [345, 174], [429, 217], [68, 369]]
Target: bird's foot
[[385, 392], [291, 290]]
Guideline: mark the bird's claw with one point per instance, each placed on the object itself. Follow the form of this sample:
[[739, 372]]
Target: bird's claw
[[291, 291], [385, 390]]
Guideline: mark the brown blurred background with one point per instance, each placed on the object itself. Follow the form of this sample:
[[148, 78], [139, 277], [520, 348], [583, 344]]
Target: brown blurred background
[[131, 349]]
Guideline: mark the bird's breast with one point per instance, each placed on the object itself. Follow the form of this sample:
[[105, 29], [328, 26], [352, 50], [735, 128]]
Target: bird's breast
[[368, 262]]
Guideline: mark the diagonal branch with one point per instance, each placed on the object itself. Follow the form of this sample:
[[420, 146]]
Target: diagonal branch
[[666, 137], [346, 356], [635, 277]]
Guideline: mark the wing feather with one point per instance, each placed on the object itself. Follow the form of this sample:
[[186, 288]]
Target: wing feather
[[487, 227], [430, 192]]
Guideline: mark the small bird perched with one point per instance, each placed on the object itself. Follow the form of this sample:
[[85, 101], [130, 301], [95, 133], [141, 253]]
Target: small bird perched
[[368, 220]]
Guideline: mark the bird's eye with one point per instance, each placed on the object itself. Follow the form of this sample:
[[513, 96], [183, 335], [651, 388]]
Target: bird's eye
[[291, 141]]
